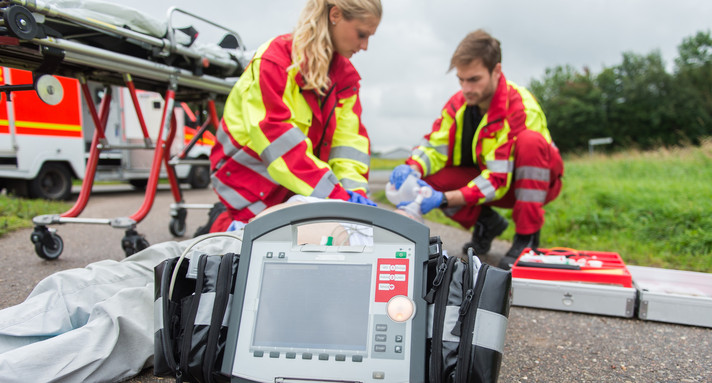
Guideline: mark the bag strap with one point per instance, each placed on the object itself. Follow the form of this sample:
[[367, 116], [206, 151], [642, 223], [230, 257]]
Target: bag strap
[[185, 252], [165, 281], [187, 343], [223, 290], [469, 315]]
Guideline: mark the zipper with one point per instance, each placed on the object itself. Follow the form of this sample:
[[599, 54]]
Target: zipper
[[467, 293], [464, 358], [441, 298], [326, 122], [435, 252], [439, 274]]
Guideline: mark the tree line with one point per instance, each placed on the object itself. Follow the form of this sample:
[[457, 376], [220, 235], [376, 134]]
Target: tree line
[[637, 102]]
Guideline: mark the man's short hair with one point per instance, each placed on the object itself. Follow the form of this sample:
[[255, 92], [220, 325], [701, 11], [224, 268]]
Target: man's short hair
[[477, 45]]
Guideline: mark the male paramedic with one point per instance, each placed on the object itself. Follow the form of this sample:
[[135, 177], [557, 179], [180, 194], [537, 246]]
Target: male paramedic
[[489, 147]]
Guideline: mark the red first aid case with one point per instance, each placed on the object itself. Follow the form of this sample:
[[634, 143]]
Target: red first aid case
[[564, 264]]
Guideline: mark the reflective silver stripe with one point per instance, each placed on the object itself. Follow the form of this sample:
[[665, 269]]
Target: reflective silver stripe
[[325, 186], [253, 164], [350, 153], [205, 309], [532, 173], [235, 199], [240, 156], [352, 185], [442, 149], [423, 157], [530, 195], [451, 315], [500, 166], [257, 207], [485, 187], [431, 316], [490, 329], [282, 145], [228, 148], [158, 314]]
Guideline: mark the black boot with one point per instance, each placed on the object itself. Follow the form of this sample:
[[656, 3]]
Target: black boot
[[217, 209], [519, 243], [488, 226]]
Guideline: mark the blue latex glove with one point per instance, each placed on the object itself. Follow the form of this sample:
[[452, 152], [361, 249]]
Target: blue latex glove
[[399, 174], [431, 198], [358, 198]]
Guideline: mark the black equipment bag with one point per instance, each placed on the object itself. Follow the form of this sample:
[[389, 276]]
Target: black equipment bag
[[191, 316], [468, 310]]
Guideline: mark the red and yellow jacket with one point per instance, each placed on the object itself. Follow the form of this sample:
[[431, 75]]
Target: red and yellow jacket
[[512, 110], [275, 134]]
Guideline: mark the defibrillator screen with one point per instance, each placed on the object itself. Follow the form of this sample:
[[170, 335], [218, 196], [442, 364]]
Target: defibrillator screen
[[313, 306]]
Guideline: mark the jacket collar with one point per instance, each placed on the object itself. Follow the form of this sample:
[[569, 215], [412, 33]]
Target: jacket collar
[[498, 106]]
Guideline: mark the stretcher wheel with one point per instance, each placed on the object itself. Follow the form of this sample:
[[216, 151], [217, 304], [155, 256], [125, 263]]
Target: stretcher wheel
[[177, 227], [20, 22], [48, 245], [133, 242], [177, 224]]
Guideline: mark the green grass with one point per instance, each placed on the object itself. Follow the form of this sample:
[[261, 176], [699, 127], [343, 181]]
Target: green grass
[[17, 213], [653, 208], [385, 164]]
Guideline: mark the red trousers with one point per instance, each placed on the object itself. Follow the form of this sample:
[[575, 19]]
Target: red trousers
[[531, 153]]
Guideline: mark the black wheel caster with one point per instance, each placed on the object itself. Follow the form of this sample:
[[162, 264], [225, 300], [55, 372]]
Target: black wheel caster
[[177, 224], [48, 245], [133, 242], [20, 22]]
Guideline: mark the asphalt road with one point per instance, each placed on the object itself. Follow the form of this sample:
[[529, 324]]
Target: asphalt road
[[541, 345]]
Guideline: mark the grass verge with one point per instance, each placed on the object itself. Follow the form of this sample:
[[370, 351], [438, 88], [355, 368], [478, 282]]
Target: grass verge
[[17, 213]]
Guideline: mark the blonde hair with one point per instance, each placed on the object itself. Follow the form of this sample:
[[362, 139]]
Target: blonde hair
[[312, 47]]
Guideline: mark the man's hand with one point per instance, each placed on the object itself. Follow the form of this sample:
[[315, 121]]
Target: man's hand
[[358, 198], [429, 198], [399, 174]]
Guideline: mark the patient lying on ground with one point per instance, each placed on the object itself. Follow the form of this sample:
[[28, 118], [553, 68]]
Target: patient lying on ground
[[95, 324]]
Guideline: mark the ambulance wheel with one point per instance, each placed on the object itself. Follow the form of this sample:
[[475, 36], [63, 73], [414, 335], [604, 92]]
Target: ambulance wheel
[[199, 176], [20, 22], [139, 183], [177, 227], [53, 182], [52, 251]]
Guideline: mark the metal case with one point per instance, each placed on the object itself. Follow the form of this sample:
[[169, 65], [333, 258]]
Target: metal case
[[673, 296], [573, 296]]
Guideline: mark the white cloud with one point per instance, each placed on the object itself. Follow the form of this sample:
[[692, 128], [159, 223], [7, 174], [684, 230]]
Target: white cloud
[[404, 83]]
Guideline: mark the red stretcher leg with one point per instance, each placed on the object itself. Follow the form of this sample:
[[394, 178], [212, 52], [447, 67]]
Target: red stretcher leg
[[170, 170], [99, 126]]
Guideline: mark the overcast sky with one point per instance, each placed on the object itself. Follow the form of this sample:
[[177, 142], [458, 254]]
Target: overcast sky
[[404, 81]]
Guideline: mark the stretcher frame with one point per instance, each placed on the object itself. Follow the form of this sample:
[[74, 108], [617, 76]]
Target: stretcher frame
[[29, 46]]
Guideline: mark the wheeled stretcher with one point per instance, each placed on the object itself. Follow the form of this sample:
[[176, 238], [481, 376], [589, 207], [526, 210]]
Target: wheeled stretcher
[[114, 45]]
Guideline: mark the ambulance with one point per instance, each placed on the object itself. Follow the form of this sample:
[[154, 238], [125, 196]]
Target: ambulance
[[43, 148]]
